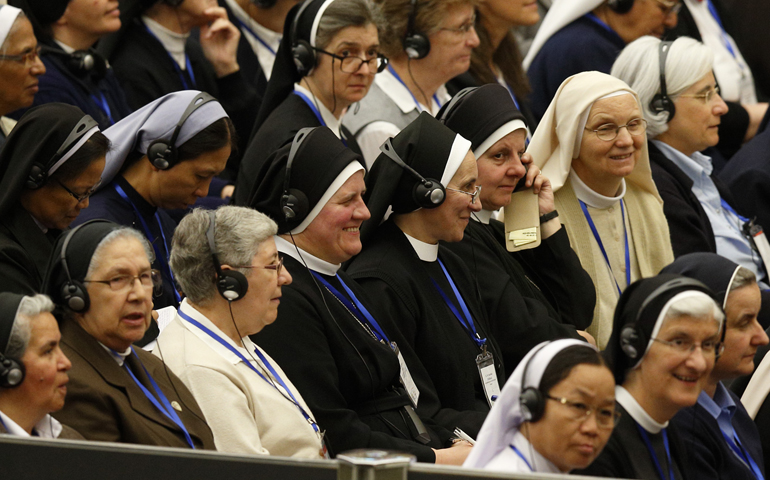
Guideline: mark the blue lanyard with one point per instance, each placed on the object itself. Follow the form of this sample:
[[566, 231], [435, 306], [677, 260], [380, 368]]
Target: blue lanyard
[[178, 70], [521, 456], [417, 104], [465, 319], [654, 456], [601, 245], [248, 364], [591, 16], [743, 455], [359, 310], [730, 209], [312, 106], [725, 39], [102, 102], [158, 253], [513, 95], [163, 405], [4, 425], [256, 37]]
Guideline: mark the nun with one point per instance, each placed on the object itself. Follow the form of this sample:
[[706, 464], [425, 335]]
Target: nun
[[666, 337], [555, 414], [554, 296], [721, 437], [343, 356], [327, 60], [426, 289], [592, 147], [164, 156], [49, 167]]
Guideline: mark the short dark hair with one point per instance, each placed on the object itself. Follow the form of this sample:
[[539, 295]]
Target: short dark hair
[[562, 364], [95, 148], [217, 135]]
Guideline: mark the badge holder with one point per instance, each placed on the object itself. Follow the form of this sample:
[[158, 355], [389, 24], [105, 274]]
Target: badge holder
[[486, 365], [405, 377], [759, 240]]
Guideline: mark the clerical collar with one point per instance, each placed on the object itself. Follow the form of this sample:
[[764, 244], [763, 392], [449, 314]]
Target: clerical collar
[[591, 198], [426, 251], [173, 42], [47, 427], [119, 357], [64, 46], [313, 263], [483, 216], [636, 411], [536, 461], [329, 119]]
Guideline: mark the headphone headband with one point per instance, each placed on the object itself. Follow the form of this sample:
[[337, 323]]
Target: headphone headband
[[428, 193], [453, 103], [661, 102]]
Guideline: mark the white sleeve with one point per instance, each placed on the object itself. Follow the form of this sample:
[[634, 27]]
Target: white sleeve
[[372, 136]]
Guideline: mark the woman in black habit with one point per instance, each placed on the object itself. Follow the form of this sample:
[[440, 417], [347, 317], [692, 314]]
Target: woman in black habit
[[335, 349], [50, 164], [546, 286], [417, 282], [315, 86]]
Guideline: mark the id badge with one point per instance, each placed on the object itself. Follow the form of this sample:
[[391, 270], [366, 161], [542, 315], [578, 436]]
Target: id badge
[[486, 365], [406, 377]]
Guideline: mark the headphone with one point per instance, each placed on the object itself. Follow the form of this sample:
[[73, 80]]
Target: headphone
[[531, 399], [620, 6], [231, 285], [163, 153], [301, 51], [416, 44], [633, 341], [39, 172], [73, 293], [294, 202], [445, 113], [12, 372], [661, 102], [81, 62], [427, 193]]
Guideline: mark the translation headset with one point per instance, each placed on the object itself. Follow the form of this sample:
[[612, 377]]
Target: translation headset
[[620, 6], [416, 44], [427, 193], [301, 51], [294, 202], [12, 372], [531, 398], [231, 285], [39, 172], [80, 62], [661, 102], [447, 112], [73, 293], [163, 153], [633, 341]]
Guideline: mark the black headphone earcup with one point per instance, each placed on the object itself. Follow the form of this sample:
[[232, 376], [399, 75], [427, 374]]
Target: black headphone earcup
[[430, 194], [160, 154], [621, 6], [304, 57], [12, 372], [295, 205], [232, 285], [660, 104], [416, 46], [532, 404], [36, 177], [75, 296], [631, 342]]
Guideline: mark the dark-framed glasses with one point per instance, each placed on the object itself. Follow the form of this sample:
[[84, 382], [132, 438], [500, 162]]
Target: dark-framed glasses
[[151, 279], [82, 197], [685, 346], [474, 194], [606, 417], [609, 131], [352, 63], [26, 58], [464, 28], [706, 96], [273, 266]]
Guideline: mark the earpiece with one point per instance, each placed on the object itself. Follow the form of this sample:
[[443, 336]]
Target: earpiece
[[81, 62], [73, 293], [621, 6], [427, 193], [294, 202], [531, 398], [231, 285], [446, 111], [661, 102], [301, 51], [416, 45], [162, 153], [12, 372], [632, 341]]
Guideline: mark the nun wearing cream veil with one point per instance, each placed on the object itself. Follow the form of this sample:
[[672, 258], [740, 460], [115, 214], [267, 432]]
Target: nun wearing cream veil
[[565, 429], [603, 188]]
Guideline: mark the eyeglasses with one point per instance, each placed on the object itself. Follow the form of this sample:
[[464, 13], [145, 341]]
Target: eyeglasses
[[352, 63], [668, 7], [149, 279], [273, 266], [79, 197], [610, 131], [606, 417], [464, 28], [474, 194], [706, 96], [26, 58], [685, 347]]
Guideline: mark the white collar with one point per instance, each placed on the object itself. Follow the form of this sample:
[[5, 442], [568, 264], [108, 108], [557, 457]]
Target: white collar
[[483, 216], [47, 427], [228, 355], [591, 198], [636, 411], [64, 46], [426, 251], [173, 42], [313, 263], [401, 95], [119, 357], [696, 163], [329, 119], [538, 462], [270, 37]]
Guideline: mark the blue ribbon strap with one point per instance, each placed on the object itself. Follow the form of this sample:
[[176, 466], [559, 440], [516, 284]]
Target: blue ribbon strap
[[601, 245], [178, 70], [254, 34], [311, 105], [744, 455], [465, 319], [654, 455], [416, 103], [105, 107], [521, 455]]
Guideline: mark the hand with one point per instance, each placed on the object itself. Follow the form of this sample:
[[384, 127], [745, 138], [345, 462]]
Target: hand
[[219, 41], [227, 191], [540, 184], [454, 455], [589, 338], [756, 114]]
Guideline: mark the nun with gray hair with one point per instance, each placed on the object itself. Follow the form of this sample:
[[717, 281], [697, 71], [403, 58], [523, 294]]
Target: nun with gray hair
[[698, 206], [33, 368]]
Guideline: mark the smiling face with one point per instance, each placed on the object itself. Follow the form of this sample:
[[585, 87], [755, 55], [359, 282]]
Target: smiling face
[[567, 442], [118, 318], [500, 169], [450, 51], [93, 18], [181, 185], [743, 336], [448, 221], [18, 79], [646, 17], [602, 164]]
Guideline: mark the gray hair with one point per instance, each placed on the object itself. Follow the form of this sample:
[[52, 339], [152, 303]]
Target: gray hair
[[700, 307], [342, 14], [118, 234], [14, 27], [743, 277], [238, 234], [29, 308], [639, 66]]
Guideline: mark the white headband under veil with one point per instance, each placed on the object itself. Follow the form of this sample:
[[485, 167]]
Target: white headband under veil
[[8, 16], [504, 419]]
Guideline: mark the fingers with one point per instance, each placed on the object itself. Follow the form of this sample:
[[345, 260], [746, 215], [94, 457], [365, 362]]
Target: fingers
[[532, 174]]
